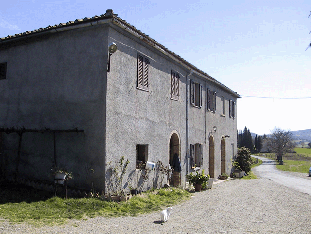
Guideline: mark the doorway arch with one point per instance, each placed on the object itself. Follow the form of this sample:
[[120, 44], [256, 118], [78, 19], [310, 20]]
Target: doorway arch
[[211, 157], [223, 156], [174, 149]]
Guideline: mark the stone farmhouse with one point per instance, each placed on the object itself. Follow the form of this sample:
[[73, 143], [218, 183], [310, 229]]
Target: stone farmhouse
[[81, 95]]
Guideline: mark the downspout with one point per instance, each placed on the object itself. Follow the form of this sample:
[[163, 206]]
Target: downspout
[[187, 121]]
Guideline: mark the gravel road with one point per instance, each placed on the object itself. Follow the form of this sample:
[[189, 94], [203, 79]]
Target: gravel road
[[298, 181], [233, 206]]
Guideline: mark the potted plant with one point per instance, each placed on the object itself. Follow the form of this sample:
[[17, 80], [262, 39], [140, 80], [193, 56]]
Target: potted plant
[[197, 180], [223, 176], [60, 175], [237, 169]]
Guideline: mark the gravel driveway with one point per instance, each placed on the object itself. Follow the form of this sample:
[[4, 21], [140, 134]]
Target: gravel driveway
[[233, 206]]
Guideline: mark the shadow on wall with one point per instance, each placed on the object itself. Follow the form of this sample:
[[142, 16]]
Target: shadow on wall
[[30, 154]]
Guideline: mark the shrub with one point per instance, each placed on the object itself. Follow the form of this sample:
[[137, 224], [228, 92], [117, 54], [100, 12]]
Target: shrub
[[244, 159]]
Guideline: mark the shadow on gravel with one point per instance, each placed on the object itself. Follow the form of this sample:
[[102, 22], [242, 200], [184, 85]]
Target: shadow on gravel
[[269, 162]]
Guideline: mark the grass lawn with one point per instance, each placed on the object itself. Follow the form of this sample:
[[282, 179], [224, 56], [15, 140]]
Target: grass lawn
[[295, 166], [301, 154], [18, 207], [304, 151]]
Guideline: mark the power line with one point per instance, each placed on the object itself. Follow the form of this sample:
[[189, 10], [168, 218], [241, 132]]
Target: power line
[[276, 97]]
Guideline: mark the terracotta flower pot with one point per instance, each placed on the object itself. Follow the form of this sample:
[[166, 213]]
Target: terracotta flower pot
[[198, 187]]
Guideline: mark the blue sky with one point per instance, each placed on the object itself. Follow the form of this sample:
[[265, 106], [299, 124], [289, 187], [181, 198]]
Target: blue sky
[[256, 48]]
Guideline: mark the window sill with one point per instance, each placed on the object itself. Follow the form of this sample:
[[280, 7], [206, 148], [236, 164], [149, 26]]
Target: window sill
[[199, 107], [143, 89]]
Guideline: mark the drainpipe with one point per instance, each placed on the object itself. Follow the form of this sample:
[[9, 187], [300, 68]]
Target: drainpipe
[[187, 120]]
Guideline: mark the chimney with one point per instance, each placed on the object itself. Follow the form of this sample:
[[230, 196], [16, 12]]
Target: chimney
[[109, 13]]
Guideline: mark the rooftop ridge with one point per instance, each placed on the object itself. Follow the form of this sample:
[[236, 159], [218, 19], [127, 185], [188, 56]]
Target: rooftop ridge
[[124, 24]]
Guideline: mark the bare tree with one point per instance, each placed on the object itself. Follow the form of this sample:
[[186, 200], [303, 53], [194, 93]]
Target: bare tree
[[280, 142]]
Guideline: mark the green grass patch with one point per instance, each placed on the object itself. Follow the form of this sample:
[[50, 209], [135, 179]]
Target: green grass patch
[[56, 211], [295, 166], [304, 151], [299, 154]]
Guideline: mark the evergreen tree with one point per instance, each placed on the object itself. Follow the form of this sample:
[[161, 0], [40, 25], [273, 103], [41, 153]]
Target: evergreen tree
[[258, 143], [246, 140]]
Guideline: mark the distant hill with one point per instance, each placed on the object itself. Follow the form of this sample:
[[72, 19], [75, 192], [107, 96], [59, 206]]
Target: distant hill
[[304, 135]]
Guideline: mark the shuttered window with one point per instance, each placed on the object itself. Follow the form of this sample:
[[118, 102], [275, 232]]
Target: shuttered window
[[196, 94], [196, 155], [142, 72], [3, 71], [231, 109], [211, 100], [223, 106], [174, 85]]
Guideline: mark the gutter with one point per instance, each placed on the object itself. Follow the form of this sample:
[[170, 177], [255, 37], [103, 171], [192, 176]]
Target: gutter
[[187, 121]]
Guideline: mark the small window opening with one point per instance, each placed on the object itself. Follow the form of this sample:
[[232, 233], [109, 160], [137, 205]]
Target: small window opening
[[141, 156], [3, 71]]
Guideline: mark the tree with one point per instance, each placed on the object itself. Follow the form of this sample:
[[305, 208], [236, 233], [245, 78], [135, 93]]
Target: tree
[[245, 139], [258, 143], [280, 142]]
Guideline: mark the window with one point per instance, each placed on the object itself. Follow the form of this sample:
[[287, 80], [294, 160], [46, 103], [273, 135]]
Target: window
[[174, 85], [3, 71], [196, 155], [196, 94], [211, 100], [141, 156], [142, 73], [223, 106], [231, 109]]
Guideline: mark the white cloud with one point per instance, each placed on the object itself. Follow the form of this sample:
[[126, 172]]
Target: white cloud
[[6, 24]]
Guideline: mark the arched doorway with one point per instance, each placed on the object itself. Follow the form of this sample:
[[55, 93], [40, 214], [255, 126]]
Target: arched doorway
[[211, 157], [223, 156], [174, 159]]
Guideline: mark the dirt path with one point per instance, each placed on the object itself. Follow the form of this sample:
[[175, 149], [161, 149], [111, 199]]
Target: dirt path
[[298, 181]]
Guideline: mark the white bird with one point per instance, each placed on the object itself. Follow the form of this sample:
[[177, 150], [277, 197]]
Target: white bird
[[165, 214]]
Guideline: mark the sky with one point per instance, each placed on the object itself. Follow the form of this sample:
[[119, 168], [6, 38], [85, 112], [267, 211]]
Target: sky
[[255, 47]]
